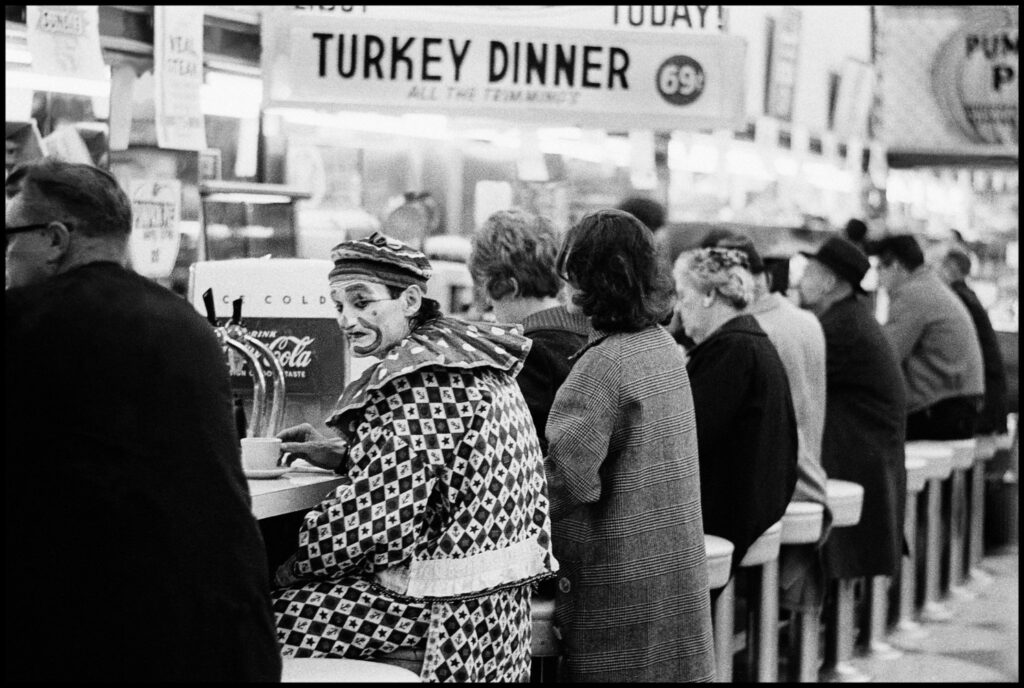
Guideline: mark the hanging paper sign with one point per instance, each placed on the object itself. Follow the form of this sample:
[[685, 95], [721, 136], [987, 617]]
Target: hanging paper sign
[[64, 41], [642, 170], [537, 74], [178, 67], [155, 238], [780, 89]]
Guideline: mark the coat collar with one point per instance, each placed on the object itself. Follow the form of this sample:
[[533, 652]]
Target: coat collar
[[743, 323], [557, 318], [445, 343]]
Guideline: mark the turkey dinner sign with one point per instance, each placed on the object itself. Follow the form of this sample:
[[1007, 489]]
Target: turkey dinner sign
[[595, 78]]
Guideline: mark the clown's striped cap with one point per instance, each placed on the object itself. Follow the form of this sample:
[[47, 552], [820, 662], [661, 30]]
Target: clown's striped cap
[[380, 258]]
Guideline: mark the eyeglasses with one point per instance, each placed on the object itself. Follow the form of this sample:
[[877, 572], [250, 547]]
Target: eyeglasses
[[10, 231]]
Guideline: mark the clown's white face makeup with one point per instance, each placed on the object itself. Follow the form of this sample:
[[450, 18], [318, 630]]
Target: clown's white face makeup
[[372, 319]]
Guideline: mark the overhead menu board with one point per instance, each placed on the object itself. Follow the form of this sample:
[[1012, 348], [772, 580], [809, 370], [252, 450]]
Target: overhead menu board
[[555, 75]]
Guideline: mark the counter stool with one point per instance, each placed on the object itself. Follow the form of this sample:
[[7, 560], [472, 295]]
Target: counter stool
[[845, 500], [546, 642], [963, 461], [331, 670], [719, 554], [801, 525], [939, 460], [985, 451], [917, 474], [764, 552]]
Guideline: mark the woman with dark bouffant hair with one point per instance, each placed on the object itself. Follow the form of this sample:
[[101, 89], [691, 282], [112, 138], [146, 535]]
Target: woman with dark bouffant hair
[[622, 470], [613, 272]]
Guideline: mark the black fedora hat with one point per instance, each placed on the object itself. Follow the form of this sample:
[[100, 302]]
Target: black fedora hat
[[844, 259]]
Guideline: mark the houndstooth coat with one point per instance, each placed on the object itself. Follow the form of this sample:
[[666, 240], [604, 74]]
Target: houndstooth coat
[[632, 602]]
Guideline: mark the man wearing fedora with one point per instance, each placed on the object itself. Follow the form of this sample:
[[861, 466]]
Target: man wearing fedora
[[865, 412]]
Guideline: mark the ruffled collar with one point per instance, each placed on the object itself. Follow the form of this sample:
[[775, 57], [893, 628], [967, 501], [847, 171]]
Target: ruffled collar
[[445, 342]]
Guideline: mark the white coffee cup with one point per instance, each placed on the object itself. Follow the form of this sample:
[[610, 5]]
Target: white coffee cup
[[260, 453]]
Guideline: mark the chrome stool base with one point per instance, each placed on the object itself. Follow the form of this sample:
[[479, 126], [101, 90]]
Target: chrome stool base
[[844, 673], [935, 612]]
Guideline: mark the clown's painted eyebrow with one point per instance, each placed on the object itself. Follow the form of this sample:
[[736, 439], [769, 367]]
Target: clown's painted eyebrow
[[359, 288]]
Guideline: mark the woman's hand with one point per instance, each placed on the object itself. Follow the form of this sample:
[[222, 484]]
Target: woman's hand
[[304, 442]]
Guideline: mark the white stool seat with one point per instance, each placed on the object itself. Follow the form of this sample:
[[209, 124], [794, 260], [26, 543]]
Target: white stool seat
[[985, 448], [330, 670], [938, 457], [764, 548], [544, 642], [543, 608], [917, 474], [845, 500], [1004, 441], [719, 552], [801, 525], [963, 452]]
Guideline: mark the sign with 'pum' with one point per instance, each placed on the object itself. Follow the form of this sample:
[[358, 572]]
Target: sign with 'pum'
[[542, 74]]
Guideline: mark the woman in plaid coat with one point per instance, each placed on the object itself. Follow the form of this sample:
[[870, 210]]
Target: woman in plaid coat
[[632, 600], [441, 524]]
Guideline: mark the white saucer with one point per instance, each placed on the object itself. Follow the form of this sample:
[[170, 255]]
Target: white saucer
[[267, 473]]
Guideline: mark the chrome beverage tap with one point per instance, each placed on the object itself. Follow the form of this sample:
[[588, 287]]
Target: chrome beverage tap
[[274, 421], [256, 371]]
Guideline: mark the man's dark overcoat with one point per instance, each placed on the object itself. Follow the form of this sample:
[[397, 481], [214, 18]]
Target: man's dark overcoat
[[865, 430], [133, 551]]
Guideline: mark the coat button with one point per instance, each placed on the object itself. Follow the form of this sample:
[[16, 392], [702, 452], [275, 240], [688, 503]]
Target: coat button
[[564, 585]]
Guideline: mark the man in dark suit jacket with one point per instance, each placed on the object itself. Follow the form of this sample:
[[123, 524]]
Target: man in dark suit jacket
[[954, 269], [134, 555], [865, 412]]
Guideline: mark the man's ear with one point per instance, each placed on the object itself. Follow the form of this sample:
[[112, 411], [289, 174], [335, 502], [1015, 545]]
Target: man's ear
[[60, 242], [412, 299], [708, 299]]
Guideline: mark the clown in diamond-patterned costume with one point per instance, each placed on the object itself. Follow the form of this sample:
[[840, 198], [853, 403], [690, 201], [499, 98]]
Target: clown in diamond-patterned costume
[[441, 525]]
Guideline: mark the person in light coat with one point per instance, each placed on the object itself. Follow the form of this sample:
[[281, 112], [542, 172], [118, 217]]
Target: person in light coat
[[632, 602]]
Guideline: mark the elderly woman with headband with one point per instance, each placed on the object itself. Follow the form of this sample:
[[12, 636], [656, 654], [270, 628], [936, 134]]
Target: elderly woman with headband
[[746, 424], [440, 525], [632, 601]]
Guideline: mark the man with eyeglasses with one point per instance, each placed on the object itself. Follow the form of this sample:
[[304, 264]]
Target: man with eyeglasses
[[133, 554]]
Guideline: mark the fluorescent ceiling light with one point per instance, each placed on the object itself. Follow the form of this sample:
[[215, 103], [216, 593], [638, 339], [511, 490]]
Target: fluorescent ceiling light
[[231, 95], [414, 125], [32, 81], [18, 54], [251, 198]]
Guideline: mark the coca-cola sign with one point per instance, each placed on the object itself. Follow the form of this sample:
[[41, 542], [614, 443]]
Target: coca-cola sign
[[311, 352], [293, 352], [975, 80]]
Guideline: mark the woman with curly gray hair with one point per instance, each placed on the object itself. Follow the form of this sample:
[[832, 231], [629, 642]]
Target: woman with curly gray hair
[[513, 268], [746, 426]]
